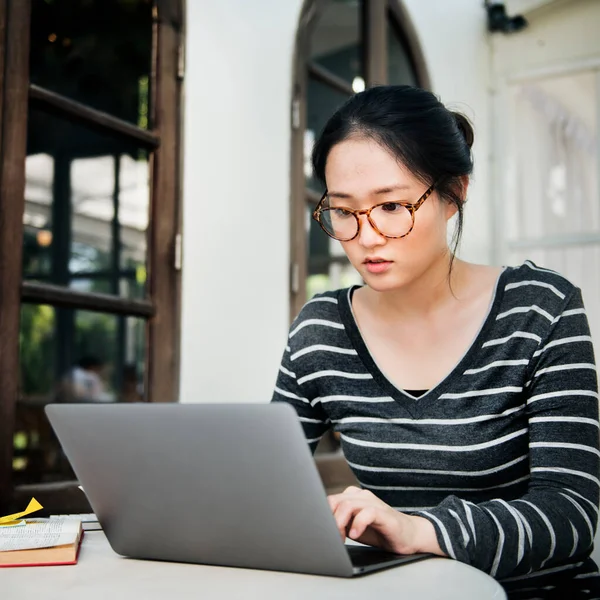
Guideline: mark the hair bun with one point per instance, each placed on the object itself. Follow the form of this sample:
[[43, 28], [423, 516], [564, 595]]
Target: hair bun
[[465, 128]]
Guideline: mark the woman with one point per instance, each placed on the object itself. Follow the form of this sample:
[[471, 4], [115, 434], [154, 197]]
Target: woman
[[465, 395]]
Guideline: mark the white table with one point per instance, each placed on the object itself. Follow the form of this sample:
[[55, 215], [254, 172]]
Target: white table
[[101, 574]]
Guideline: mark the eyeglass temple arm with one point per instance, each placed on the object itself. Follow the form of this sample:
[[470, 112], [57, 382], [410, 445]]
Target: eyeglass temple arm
[[318, 207], [422, 199]]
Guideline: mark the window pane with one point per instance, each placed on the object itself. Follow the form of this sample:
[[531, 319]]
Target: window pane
[[70, 356], [554, 187], [400, 67], [97, 52], [321, 103], [86, 208], [336, 40]]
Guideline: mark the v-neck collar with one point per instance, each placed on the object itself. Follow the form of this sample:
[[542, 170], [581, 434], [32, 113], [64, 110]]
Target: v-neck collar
[[416, 406]]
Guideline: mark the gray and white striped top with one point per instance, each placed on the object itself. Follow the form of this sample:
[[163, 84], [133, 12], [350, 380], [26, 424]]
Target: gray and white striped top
[[501, 456]]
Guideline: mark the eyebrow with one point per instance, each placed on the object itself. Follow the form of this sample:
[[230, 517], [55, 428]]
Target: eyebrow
[[380, 191]]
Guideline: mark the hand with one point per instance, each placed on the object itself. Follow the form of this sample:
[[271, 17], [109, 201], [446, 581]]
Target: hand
[[362, 516]]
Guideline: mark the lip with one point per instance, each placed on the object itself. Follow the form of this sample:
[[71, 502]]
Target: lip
[[370, 259], [377, 265]]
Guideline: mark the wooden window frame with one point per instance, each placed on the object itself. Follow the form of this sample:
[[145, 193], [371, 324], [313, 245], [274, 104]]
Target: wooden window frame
[[161, 307], [375, 15]]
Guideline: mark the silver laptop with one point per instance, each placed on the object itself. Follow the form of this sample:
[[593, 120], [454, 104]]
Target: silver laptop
[[229, 484]]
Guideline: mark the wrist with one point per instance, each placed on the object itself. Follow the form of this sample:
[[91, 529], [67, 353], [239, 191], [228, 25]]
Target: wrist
[[425, 537]]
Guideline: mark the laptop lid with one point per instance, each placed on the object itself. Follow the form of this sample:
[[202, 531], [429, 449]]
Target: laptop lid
[[226, 484]]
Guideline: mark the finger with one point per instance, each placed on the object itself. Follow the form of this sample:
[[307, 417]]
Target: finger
[[344, 514], [335, 499], [367, 517]]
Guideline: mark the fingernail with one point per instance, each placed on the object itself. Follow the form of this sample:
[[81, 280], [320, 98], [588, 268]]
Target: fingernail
[[352, 532]]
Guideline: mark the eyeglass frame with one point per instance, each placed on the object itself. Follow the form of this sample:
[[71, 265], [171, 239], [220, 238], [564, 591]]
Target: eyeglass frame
[[411, 207]]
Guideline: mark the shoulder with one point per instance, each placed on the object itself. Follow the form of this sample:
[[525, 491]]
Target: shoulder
[[530, 284], [319, 317], [323, 305]]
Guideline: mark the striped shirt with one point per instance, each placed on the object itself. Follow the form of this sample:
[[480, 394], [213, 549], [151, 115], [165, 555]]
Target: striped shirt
[[502, 456]]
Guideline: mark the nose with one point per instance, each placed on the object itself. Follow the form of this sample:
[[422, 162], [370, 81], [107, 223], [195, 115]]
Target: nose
[[367, 236]]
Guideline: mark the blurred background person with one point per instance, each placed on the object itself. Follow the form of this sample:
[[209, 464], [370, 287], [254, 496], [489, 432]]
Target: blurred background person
[[85, 382]]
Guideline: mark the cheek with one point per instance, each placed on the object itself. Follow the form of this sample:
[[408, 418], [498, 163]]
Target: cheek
[[432, 226], [350, 248]]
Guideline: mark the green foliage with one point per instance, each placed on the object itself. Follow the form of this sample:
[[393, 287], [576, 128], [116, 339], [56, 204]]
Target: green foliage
[[36, 342], [95, 335]]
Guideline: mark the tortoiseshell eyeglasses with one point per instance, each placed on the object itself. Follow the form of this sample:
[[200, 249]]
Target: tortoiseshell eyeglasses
[[388, 219]]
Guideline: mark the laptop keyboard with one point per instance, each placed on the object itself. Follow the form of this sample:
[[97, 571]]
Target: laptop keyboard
[[365, 556], [89, 521]]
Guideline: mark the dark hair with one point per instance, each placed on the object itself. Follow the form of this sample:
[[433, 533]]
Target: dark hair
[[431, 141]]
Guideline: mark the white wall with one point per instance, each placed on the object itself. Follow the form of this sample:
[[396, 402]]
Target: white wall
[[561, 37], [236, 197], [558, 54], [237, 159], [561, 33], [455, 44]]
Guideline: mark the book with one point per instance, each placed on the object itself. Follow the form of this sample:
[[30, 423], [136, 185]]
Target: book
[[89, 521], [38, 542]]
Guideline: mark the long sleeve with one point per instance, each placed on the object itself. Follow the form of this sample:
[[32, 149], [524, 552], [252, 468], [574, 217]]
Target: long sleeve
[[554, 522], [314, 421]]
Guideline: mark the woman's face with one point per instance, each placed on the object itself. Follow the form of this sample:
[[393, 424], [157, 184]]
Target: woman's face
[[359, 174]]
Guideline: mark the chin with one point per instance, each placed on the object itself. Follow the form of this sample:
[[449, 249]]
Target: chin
[[384, 283], [381, 287]]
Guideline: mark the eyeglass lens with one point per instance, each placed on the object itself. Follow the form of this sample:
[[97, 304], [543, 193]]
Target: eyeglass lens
[[391, 219]]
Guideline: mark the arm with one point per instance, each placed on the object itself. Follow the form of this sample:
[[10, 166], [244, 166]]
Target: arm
[[555, 521], [314, 421]]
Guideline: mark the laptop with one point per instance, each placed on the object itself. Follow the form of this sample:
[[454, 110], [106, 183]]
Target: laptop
[[230, 484]]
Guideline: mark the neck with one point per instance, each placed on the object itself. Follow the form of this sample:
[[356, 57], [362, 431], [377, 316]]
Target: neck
[[423, 296]]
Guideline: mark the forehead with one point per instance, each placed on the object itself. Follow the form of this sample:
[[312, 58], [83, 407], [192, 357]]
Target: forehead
[[357, 166]]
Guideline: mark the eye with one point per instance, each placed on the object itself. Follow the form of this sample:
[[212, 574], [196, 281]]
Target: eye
[[391, 207], [340, 213]]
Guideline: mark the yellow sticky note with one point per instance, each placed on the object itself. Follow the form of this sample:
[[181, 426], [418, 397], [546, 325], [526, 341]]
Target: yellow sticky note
[[33, 506], [13, 524]]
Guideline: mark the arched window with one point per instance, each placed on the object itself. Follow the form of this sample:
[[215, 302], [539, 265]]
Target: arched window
[[342, 47], [89, 220]]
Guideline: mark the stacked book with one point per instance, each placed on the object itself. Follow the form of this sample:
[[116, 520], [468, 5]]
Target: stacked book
[[26, 542]]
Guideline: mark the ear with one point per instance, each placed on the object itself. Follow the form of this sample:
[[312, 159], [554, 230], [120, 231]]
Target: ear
[[450, 210], [462, 185]]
